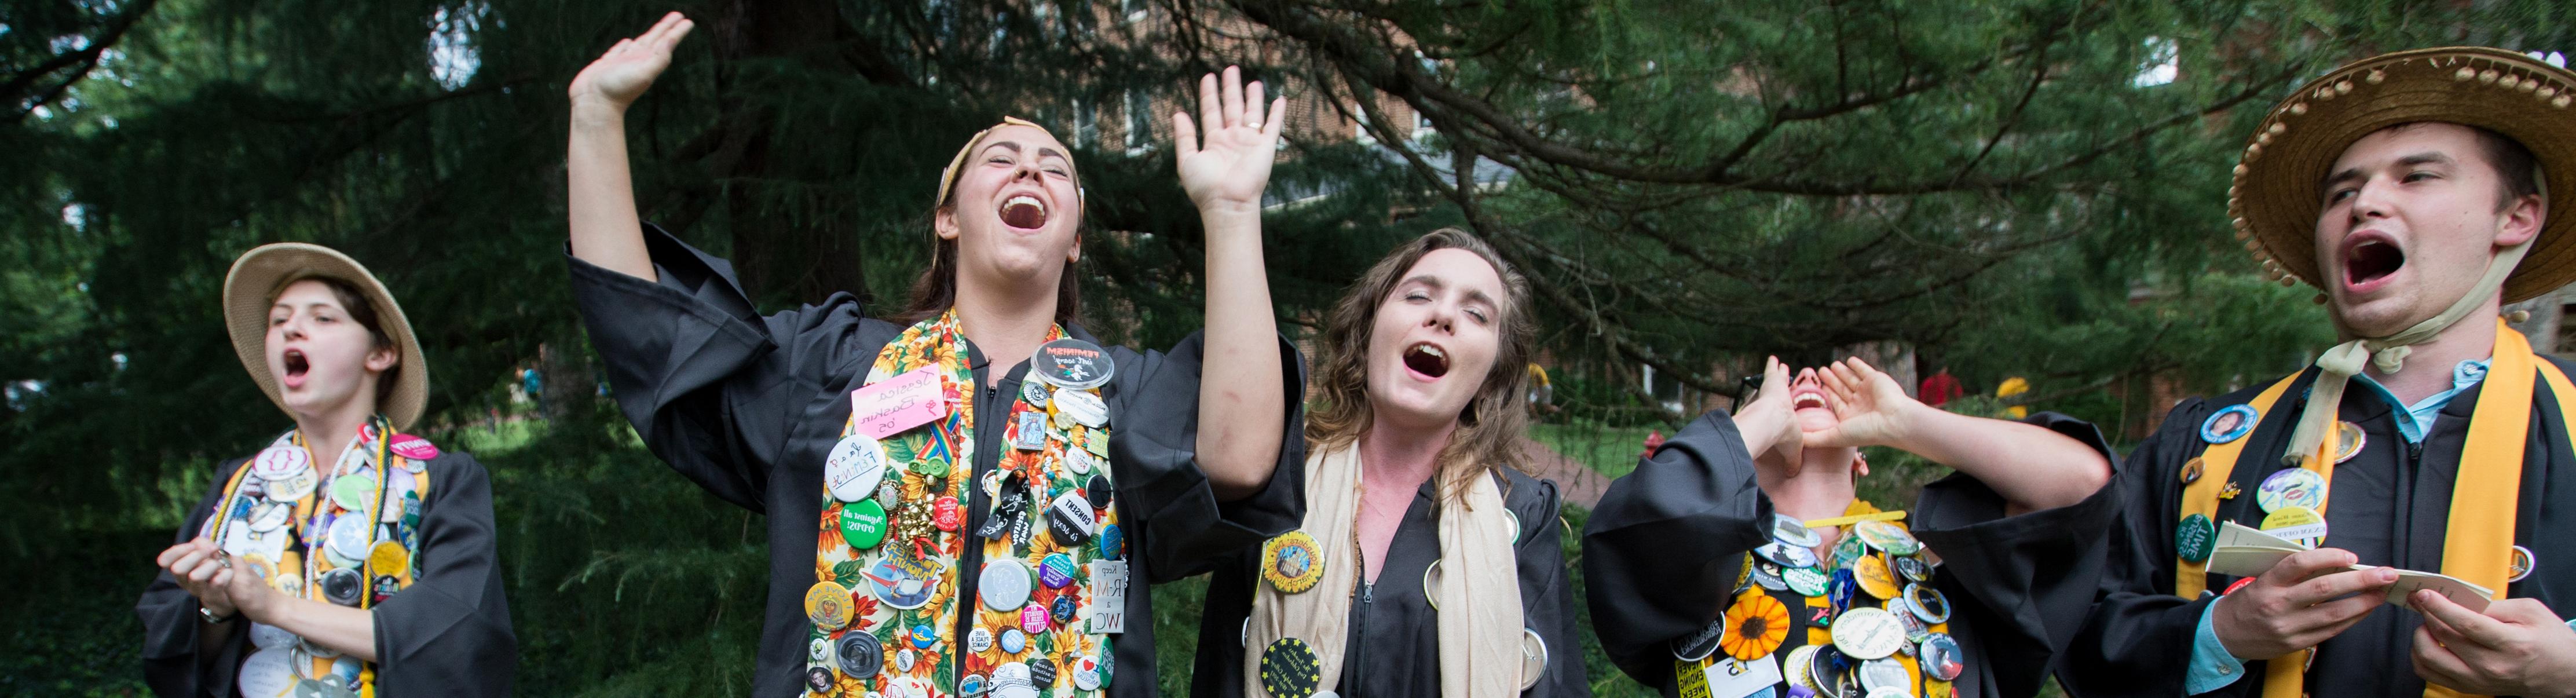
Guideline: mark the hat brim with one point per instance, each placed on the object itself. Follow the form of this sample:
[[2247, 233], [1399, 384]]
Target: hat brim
[[260, 273], [2277, 193]]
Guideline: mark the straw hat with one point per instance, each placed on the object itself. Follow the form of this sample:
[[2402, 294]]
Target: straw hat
[[2274, 201], [260, 273]]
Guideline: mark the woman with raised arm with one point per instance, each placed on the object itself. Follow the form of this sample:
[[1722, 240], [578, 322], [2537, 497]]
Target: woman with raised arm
[[966, 495]]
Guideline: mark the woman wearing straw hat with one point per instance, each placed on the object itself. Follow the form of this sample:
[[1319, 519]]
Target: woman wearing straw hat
[[1428, 564], [347, 558], [2417, 483], [972, 497]]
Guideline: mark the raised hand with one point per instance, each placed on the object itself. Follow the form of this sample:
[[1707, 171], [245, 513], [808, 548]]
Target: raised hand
[[1767, 422], [1226, 171], [623, 73], [1870, 409]]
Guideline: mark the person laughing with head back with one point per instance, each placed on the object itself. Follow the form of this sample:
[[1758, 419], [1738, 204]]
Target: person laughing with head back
[[1738, 559], [970, 499]]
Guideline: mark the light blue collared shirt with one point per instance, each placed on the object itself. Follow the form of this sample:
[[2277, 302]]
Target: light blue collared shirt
[[2212, 668]]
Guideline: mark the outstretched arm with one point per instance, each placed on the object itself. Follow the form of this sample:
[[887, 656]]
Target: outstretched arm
[[599, 190], [1241, 417], [2032, 467]]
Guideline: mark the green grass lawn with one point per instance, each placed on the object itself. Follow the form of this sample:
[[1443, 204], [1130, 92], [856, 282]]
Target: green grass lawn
[[1612, 451]]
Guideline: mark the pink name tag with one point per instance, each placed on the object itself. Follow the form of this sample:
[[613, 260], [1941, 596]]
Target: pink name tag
[[899, 403]]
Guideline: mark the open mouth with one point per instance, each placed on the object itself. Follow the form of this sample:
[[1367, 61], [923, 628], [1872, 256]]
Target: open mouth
[[296, 366], [1807, 393], [1024, 212], [1427, 360], [2370, 257]]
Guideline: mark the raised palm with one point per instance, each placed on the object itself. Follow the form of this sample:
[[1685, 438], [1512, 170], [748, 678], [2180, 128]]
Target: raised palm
[[1231, 165], [628, 68], [1869, 406]]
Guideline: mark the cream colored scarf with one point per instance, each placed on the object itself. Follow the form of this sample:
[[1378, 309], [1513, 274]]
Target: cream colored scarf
[[1479, 594]]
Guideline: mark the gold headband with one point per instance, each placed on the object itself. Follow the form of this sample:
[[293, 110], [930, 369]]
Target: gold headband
[[948, 177]]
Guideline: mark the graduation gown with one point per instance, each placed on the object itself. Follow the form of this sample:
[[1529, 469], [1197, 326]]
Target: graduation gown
[[1663, 551], [448, 634], [1393, 644], [2389, 505], [747, 406]]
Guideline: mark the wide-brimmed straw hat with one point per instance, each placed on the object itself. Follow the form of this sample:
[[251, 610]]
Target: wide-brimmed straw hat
[[252, 286], [2277, 193]]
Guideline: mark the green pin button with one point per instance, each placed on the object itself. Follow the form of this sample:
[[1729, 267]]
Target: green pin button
[[863, 523], [2194, 538]]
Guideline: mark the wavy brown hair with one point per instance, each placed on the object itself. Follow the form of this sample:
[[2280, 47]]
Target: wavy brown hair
[[1491, 428]]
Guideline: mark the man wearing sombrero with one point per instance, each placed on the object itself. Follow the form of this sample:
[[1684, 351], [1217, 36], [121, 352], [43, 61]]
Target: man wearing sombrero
[[2414, 189], [347, 558]]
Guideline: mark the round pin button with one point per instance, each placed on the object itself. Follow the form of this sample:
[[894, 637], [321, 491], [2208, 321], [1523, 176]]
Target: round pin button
[[1941, 658], [2192, 470], [904, 659], [1073, 363], [1867, 633], [819, 679], [293, 487], [946, 514], [2228, 424], [857, 463], [1885, 674], [1288, 668], [281, 461], [818, 650], [1086, 674], [972, 685], [1004, 585], [861, 656], [1033, 619], [354, 492], [863, 524], [1056, 571], [349, 538], [1874, 577], [1063, 609], [389, 558], [1013, 641], [2299, 524], [1912, 568], [1292, 561], [1071, 519], [1786, 555], [1112, 543], [1042, 672], [828, 605], [2348, 441], [1887, 537], [979, 640], [1097, 489], [1807, 581], [1791, 531], [2194, 538], [2519, 565], [2293, 487], [1533, 658], [1927, 603]]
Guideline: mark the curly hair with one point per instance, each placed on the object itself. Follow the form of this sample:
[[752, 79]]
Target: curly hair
[[1490, 429]]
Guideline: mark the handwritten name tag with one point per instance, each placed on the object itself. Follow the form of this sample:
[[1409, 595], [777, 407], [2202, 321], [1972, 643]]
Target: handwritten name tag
[[905, 401]]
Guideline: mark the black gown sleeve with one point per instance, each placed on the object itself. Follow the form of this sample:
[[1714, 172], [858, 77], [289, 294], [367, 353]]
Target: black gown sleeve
[[1547, 596], [172, 662], [2137, 638], [1662, 550], [2019, 584], [713, 388], [449, 632], [1185, 529]]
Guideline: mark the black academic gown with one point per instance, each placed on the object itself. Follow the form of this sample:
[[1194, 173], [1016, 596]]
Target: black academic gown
[[1393, 645], [2389, 505], [448, 634], [1662, 552], [747, 407]]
